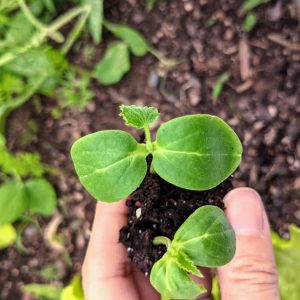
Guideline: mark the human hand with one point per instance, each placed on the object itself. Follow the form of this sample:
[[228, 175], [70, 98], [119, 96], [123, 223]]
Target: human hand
[[108, 274]]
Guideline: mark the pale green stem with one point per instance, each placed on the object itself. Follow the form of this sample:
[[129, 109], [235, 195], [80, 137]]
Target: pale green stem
[[56, 36], [73, 35], [68, 16], [165, 61], [148, 135], [162, 240]]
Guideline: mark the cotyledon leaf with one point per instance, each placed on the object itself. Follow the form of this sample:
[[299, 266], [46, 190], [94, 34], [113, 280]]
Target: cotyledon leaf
[[173, 282], [110, 164], [196, 152], [206, 237]]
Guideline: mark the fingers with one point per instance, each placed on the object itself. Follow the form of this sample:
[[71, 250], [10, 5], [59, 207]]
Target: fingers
[[252, 273], [106, 270]]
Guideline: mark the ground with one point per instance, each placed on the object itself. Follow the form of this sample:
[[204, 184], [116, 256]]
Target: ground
[[260, 101]]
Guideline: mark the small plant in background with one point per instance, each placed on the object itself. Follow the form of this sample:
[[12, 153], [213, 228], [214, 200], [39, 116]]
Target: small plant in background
[[195, 152], [218, 87]]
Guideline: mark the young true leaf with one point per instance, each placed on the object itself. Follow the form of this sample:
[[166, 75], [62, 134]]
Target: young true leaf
[[8, 235], [96, 19], [186, 264], [250, 4], [135, 41], [196, 152], [115, 63], [41, 196], [138, 117], [250, 22], [110, 164], [204, 239], [287, 257], [74, 290], [12, 201], [173, 282]]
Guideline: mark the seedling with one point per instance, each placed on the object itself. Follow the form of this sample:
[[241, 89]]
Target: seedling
[[204, 239], [195, 152]]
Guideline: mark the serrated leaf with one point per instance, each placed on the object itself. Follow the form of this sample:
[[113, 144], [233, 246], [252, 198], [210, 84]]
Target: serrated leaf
[[41, 196], [138, 117], [74, 290], [8, 235], [13, 201], [206, 237], [114, 65], [96, 19], [196, 152], [173, 282], [186, 264], [110, 164], [287, 257], [135, 41]]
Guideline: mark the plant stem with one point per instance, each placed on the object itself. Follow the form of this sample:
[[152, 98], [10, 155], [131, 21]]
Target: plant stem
[[56, 36], [148, 135], [162, 240]]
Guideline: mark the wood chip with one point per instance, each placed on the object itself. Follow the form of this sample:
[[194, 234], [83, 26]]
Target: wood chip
[[278, 39], [244, 55]]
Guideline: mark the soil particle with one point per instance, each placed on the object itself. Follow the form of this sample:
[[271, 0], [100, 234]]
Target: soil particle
[[158, 208]]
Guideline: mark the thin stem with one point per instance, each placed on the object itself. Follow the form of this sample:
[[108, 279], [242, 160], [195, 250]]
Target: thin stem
[[162, 240], [73, 35], [165, 61], [148, 135], [67, 17]]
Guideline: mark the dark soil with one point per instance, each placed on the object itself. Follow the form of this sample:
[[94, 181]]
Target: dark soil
[[261, 102], [158, 208]]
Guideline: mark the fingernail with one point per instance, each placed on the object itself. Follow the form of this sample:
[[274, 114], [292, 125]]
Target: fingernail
[[245, 211]]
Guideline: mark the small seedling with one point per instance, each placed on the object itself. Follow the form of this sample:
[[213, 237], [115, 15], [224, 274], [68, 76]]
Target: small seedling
[[205, 239], [195, 152], [218, 87], [249, 22]]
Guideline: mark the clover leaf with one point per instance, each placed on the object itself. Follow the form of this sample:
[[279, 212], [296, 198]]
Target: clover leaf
[[205, 239], [195, 152]]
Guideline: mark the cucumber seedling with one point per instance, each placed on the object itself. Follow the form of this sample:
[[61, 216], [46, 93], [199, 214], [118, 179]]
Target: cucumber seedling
[[195, 152]]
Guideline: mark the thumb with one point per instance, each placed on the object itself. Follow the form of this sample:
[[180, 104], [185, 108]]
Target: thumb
[[252, 273]]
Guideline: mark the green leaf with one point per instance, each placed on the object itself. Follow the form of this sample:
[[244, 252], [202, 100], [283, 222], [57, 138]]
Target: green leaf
[[206, 237], [196, 152], [138, 117], [114, 65], [74, 290], [43, 291], [96, 20], [135, 41], [110, 164], [41, 196], [287, 257], [8, 235], [173, 282], [12, 201], [218, 86], [250, 4], [186, 264], [250, 22]]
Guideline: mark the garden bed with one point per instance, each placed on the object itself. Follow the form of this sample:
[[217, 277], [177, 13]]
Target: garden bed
[[260, 101]]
